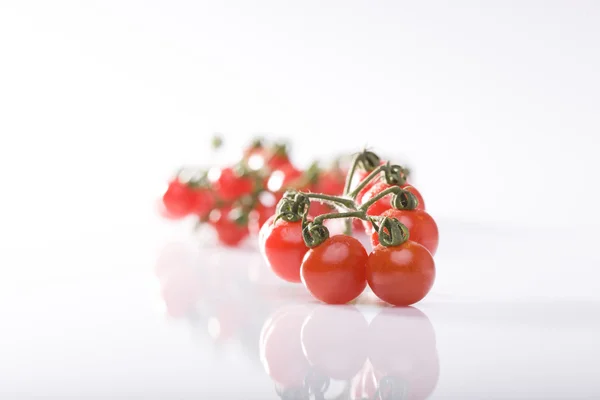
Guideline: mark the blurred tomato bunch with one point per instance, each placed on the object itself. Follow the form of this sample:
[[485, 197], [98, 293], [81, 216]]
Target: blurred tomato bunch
[[237, 199]]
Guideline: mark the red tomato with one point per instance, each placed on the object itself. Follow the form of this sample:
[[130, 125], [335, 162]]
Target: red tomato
[[420, 224], [330, 182], [357, 224], [278, 161], [283, 248], [230, 186], [401, 275], [178, 199], [283, 178], [334, 341], [317, 208], [204, 202], [264, 231], [408, 358], [334, 271], [281, 346], [384, 203], [228, 231], [259, 216]]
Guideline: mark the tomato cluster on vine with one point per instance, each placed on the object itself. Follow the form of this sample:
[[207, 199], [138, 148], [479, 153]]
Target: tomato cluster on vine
[[236, 200], [399, 269]]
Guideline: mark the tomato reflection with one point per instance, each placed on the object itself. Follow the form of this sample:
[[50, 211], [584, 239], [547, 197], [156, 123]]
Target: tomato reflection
[[281, 348], [333, 340], [305, 351], [402, 350]]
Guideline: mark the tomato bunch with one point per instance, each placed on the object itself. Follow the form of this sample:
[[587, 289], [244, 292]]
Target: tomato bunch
[[399, 269], [236, 200]]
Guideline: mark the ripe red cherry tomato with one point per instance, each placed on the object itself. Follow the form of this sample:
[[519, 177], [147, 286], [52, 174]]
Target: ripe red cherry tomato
[[283, 248], [264, 231], [401, 275], [420, 224], [229, 232], [230, 186], [334, 271], [384, 203], [259, 216], [178, 199], [317, 208], [204, 202], [281, 347], [334, 341], [330, 182], [408, 358]]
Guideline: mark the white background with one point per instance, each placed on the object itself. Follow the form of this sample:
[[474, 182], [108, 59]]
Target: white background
[[494, 105]]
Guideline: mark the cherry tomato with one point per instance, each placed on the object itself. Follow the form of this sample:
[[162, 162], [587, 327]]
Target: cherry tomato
[[408, 358], [334, 341], [283, 178], [401, 275], [204, 202], [357, 225], [283, 248], [421, 226], [334, 271], [229, 232], [277, 158], [230, 186], [264, 231], [259, 216], [330, 182], [178, 199], [384, 203], [281, 347], [317, 208]]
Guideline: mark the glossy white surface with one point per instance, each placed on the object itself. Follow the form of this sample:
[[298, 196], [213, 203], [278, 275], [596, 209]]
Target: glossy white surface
[[152, 315]]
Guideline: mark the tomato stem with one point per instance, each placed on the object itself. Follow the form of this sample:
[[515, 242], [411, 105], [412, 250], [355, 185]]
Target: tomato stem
[[366, 180], [333, 200], [350, 174], [368, 160], [352, 214], [391, 232], [391, 190]]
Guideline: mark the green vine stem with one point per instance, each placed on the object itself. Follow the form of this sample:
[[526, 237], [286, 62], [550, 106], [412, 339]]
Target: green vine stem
[[392, 232], [367, 179], [391, 190], [394, 175], [369, 161], [332, 200], [352, 214]]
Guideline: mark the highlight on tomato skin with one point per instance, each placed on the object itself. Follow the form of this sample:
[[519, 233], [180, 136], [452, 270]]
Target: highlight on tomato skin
[[334, 341], [334, 271], [406, 361], [421, 226], [401, 275]]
